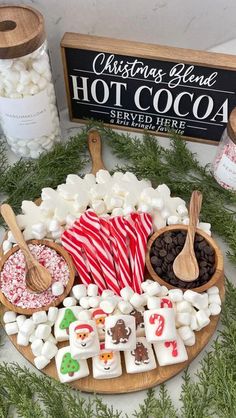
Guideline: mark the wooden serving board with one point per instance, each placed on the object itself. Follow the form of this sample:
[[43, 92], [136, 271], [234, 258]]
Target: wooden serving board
[[130, 382]]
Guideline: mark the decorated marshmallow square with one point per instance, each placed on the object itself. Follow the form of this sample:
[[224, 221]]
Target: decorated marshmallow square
[[69, 369], [139, 322], [120, 332], [170, 352], [141, 359], [64, 318], [106, 364], [84, 341], [160, 324], [99, 316]]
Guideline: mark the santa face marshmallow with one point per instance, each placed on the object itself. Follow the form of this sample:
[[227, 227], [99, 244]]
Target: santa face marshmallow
[[99, 316], [160, 324], [106, 364], [84, 342]]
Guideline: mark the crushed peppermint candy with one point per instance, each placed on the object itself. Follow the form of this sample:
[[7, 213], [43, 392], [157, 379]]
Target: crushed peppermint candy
[[13, 275]]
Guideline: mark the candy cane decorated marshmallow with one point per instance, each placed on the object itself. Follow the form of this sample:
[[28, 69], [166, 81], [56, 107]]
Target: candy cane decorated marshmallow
[[171, 351], [159, 324]]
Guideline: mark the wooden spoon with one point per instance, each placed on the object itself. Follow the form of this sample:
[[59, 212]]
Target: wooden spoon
[[185, 265], [95, 149], [38, 278]]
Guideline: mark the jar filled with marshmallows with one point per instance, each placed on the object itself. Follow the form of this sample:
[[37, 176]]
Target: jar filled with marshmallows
[[28, 112], [224, 165]]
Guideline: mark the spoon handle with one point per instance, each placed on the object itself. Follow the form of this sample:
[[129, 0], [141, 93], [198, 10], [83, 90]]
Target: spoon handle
[[95, 149], [194, 211], [10, 219]]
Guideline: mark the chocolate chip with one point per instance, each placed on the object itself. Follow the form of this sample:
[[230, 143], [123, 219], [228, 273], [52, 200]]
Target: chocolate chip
[[162, 253]]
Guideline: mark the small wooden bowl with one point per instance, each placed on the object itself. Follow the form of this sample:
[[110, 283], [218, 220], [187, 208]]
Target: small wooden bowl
[[60, 250], [219, 264]]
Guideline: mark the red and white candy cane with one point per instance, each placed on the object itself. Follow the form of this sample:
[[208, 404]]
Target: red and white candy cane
[[90, 225], [117, 228], [81, 241], [110, 245], [159, 320], [174, 347], [143, 225], [166, 302], [132, 237], [77, 256]]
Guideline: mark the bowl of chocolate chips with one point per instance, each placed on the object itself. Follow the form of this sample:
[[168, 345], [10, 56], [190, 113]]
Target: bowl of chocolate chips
[[164, 246]]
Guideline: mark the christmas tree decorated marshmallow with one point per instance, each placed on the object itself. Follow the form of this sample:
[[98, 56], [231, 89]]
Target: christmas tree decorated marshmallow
[[69, 369], [65, 317], [84, 341], [106, 364]]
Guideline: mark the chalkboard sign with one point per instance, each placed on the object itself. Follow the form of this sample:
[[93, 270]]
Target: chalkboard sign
[[140, 86]]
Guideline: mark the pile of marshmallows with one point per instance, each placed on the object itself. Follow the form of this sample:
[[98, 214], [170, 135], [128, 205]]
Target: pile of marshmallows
[[170, 318], [25, 77], [116, 195]]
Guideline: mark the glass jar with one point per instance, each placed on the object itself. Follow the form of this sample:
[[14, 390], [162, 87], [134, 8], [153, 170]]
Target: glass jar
[[28, 111], [224, 165]]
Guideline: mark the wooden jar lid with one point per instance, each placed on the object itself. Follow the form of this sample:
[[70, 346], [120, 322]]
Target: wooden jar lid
[[21, 31]]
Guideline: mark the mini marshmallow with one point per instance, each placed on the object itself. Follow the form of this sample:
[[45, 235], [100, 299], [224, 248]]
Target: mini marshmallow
[[109, 304], [125, 307], [9, 316], [185, 332], [193, 323], [49, 350], [6, 246], [84, 315], [94, 301], [173, 220], [145, 284], [69, 369], [32, 337], [40, 362], [183, 306], [153, 302], [215, 298], [84, 302], [214, 309], [160, 324], [20, 319], [175, 295], [201, 301], [120, 334], [92, 289], [137, 300], [84, 341], [107, 293], [126, 293], [27, 327], [39, 317], [22, 339], [182, 210], [43, 331], [57, 288], [54, 225], [153, 289], [214, 290], [52, 314], [11, 328], [190, 341], [69, 301], [183, 318], [202, 319], [51, 338], [79, 291], [36, 347], [164, 291]]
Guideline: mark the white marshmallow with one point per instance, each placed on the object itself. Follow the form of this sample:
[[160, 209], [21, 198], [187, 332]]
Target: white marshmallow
[[32, 337], [84, 302], [175, 295], [202, 319], [214, 290], [69, 369], [20, 319], [79, 291], [43, 331], [36, 347], [185, 332], [57, 289], [84, 315], [6, 246], [164, 291], [126, 293], [153, 302], [183, 318], [107, 293], [214, 298], [52, 314], [183, 306], [170, 352], [141, 359], [49, 350], [145, 284], [64, 318], [84, 341], [69, 301], [27, 327], [214, 309], [22, 339], [11, 328], [137, 300], [109, 304], [125, 307], [40, 362], [92, 289], [201, 301], [190, 341], [54, 225], [153, 289], [39, 317], [173, 220], [160, 324], [193, 323], [116, 341], [182, 210], [94, 301], [9, 316]]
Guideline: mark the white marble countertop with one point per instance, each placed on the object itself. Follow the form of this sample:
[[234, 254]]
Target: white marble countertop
[[129, 402]]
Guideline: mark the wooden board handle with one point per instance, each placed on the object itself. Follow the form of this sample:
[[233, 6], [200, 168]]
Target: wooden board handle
[[95, 149]]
